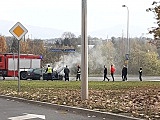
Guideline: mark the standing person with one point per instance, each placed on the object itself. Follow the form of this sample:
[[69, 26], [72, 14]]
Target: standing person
[[140, 73], [112, 70], [105, 73], [124, 73], [78, 73], [66, 73], [49, 72]]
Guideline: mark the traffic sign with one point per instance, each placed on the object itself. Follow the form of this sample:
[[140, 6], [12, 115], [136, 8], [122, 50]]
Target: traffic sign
[[56, 50], [62, 50], [69, 50], [18, 30]]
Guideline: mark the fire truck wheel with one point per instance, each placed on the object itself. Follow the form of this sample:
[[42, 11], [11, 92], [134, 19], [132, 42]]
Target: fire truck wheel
[[23, 75]]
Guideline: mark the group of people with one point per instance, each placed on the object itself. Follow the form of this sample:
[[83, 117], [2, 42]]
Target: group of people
[[67, 71], [124, 73], [112, 71], [49, 71]]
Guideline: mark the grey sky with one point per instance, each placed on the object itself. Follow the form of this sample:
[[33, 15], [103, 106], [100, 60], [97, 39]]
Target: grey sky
[[103, 15]]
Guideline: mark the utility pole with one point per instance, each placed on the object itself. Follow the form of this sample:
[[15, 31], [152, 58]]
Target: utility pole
[[84, 56]]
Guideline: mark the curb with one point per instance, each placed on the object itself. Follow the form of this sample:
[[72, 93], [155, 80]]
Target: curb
[[107, 115]]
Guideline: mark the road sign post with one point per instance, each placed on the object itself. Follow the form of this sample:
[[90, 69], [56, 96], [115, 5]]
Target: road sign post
[[18, 31]]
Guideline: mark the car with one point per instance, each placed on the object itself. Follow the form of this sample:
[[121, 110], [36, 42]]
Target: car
[[38, 73], [56, 75], [35, 73]]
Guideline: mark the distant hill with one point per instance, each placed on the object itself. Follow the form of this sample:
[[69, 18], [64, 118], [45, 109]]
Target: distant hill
[[36, 32], [33, 31]]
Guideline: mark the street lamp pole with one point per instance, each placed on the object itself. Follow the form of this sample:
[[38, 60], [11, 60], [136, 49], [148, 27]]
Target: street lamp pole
[[127, 27], [128, 43], [84, 56]]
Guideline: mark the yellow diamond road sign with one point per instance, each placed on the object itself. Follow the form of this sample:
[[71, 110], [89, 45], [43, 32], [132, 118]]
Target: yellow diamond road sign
[[18, 30]]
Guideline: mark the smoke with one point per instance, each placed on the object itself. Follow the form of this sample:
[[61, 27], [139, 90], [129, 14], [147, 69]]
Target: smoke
[[71, 60], [98, 55]]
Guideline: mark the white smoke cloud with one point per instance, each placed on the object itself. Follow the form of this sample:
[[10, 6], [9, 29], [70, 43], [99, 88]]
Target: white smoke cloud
[[70, 60]]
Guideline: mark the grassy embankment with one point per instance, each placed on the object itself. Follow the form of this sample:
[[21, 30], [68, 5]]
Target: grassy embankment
[[139, 99]]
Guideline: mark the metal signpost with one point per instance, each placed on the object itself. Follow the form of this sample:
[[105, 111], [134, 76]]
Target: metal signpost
[[18, 31]]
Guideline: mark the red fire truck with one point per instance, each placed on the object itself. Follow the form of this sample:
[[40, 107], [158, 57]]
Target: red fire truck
[[9, 64]]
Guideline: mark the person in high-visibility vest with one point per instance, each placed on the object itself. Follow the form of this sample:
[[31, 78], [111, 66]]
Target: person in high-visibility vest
[[49, 72]]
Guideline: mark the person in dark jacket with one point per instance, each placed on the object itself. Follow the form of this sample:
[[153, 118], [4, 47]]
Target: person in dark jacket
[[66, 73], [124, 73], [105, 73], [78, 73], [140, 73]]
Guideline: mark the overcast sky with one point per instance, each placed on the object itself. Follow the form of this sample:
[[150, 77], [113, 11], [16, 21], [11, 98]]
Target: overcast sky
[[103, 15]]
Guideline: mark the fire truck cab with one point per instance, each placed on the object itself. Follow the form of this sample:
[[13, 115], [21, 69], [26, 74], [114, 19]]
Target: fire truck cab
[[9, 64]]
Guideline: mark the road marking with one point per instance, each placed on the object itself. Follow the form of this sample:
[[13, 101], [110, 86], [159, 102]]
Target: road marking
[[27, 116]]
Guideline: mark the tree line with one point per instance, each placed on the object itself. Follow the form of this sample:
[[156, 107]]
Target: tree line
[[108, 51]]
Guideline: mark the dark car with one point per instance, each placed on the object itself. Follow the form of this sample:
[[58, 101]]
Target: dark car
[[38, 73], [35, 73], [56, 75]]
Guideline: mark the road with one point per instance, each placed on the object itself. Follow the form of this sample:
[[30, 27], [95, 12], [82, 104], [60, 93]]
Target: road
[[117, 78], [130, 78], [14, 110]]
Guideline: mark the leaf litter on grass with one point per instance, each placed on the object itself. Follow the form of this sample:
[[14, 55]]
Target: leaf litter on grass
[[141, 102]]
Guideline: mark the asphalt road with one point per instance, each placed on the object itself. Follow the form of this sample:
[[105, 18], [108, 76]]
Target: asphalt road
[[117, 78], [14, 110], [130, 78]]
